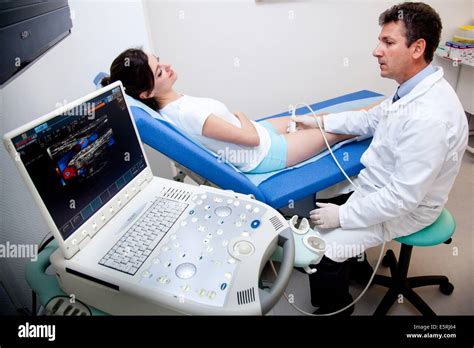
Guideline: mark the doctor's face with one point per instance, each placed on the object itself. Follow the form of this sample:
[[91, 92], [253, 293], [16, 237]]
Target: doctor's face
[[392, 53]]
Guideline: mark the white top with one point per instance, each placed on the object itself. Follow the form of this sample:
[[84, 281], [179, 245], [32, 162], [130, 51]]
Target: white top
[[189, 114], [413, 160]]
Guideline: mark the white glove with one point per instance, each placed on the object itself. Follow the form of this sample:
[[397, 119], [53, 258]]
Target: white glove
[[327, 216], [306, 121]]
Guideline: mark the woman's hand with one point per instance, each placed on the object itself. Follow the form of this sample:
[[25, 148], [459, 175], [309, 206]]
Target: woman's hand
[[219, 129]]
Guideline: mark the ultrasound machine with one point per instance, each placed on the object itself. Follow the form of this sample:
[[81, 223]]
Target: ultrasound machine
[[133, 243]]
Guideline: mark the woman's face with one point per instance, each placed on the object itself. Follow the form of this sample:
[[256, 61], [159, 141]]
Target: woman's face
[[164, 75]]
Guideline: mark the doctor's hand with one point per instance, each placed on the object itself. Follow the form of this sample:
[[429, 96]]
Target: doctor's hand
[[308, 121], [327, 216]]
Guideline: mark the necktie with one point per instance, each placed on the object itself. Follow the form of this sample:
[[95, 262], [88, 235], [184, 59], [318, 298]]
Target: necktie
[[396, 97]]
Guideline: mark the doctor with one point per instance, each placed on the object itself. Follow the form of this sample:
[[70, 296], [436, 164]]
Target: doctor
[[419, 136]]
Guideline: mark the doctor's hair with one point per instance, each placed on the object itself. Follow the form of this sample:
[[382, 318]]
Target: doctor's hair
[[421, 22], [131, 67]]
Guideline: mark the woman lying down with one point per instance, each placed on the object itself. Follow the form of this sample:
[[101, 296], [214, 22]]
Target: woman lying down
[[253, 147]]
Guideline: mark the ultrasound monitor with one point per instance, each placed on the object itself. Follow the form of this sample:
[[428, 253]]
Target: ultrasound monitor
[[79, 159]]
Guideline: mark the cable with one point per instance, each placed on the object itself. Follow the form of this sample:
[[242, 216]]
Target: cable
[[349, 305], [42, 245], [318, 121], [357, 188]]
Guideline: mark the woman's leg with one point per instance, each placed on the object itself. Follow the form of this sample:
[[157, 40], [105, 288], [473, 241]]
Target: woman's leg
[[307, 143], [280, 123]]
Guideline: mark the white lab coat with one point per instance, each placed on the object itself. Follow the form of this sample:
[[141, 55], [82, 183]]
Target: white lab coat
[[410, 166]]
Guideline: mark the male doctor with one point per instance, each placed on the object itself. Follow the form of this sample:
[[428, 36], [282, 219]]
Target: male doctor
[[419, 137]]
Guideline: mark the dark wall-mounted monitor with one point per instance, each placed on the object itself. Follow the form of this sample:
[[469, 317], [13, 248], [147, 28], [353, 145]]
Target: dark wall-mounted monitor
[[28, 28]]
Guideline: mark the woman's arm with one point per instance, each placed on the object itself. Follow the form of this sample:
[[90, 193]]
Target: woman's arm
[[246, 124], [219, 129]]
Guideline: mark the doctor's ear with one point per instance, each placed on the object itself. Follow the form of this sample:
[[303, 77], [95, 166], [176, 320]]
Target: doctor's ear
[[419, 47]]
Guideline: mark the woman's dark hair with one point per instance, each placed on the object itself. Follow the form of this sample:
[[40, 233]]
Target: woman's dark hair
[[421, 22], [131, 67]]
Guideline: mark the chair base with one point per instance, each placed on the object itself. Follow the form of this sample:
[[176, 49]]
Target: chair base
[[400, 284]]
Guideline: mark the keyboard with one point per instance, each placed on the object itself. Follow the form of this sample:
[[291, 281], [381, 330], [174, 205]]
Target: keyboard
[[131, 251]]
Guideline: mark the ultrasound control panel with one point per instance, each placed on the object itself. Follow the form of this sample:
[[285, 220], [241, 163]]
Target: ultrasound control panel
[[202, 251], [198, 259]]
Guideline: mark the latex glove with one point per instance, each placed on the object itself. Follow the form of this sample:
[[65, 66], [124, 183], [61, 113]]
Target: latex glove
[[327, 216], [305, 121]]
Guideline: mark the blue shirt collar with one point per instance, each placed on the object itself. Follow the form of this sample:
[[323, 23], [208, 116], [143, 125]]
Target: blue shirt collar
[[407, 86]]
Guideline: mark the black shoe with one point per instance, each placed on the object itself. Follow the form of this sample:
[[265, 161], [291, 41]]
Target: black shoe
[[330, 281], [336, 305], [361, 270]]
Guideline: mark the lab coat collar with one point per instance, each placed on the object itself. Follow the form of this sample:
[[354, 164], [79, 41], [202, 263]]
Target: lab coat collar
[[406, 87], [420, 89]]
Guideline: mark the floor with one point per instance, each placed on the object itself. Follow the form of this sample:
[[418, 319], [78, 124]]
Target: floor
[[456, 261]]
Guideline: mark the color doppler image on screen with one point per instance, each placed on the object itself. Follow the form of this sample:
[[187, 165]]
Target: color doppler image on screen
[[84, 153], [89, 149]]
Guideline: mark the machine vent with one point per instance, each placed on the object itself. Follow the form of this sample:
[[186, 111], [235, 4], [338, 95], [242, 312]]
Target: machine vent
[[276, 223], [62, 305], [178, 194], [246, 296]]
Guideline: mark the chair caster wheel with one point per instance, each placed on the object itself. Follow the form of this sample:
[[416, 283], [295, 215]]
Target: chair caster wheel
[[446, 288]]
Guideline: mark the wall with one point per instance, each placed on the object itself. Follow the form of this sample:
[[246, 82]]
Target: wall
[[259, 57], [100, 31]]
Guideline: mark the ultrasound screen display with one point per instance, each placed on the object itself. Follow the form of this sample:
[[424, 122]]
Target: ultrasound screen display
[[81, 158]]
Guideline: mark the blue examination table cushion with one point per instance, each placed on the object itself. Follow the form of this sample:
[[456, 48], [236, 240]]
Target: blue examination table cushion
[[276, 189]]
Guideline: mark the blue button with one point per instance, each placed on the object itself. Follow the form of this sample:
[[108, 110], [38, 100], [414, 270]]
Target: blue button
[[223, 286], [255, 223], [191, 212]]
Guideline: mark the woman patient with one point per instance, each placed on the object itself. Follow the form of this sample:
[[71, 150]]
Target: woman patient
[[253, 147]]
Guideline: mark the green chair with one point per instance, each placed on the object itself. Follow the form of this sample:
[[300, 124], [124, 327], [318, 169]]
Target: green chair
[[46, 288], [398, 283]]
